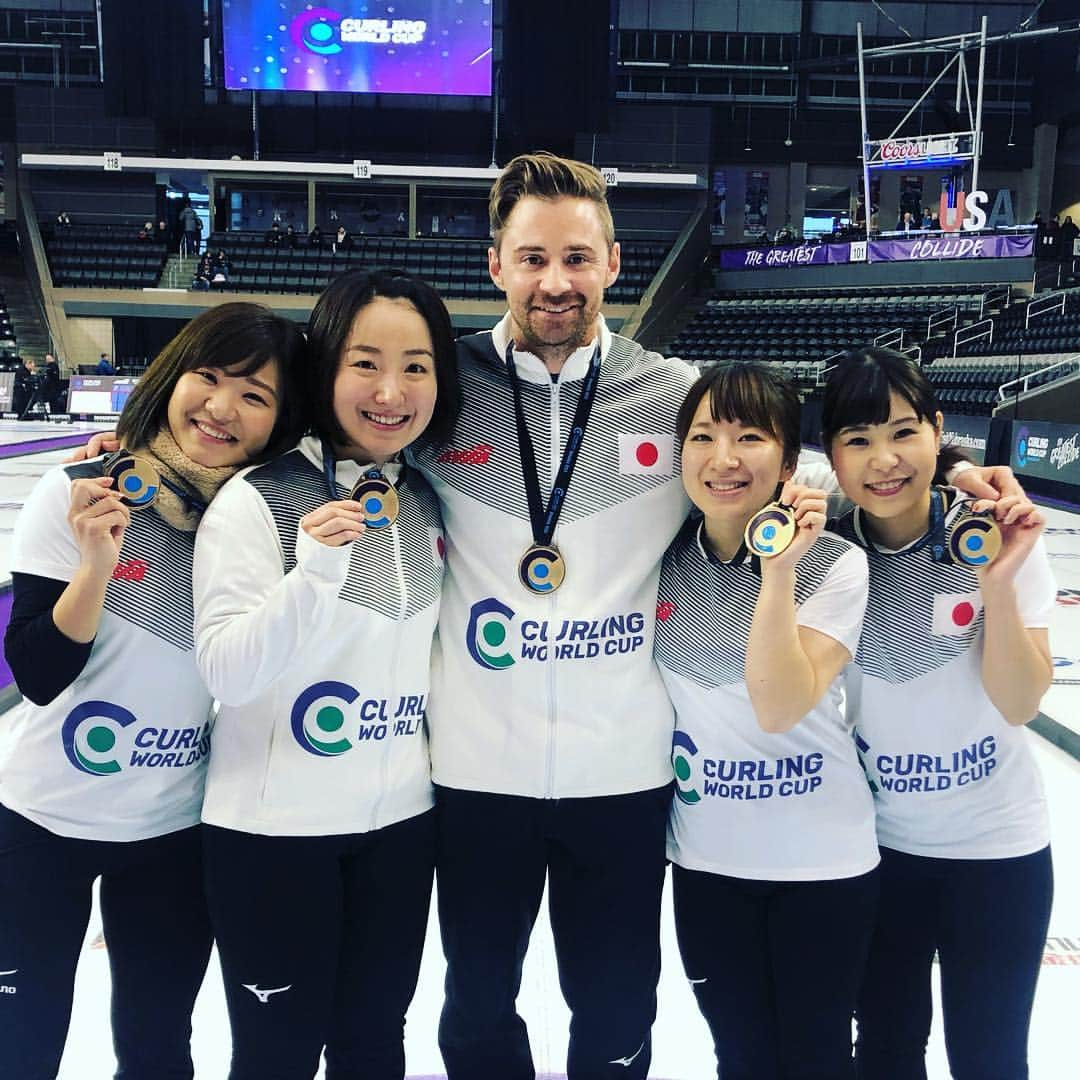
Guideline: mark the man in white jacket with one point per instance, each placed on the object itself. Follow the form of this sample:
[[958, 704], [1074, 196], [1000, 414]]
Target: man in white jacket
[[550, 728]]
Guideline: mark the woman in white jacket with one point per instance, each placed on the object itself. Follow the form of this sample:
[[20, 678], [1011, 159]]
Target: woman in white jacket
[[317, 581]]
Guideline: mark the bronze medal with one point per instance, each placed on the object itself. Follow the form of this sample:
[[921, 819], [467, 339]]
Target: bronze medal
[[137, 481], [974, 539], [542, 569], [770, 531], [379, 500]]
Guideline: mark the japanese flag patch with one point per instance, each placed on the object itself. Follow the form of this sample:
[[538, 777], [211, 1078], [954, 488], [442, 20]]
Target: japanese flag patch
[[438, 546], [647, 455], [956, 613]]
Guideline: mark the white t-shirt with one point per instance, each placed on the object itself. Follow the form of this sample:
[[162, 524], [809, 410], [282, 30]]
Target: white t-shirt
[[121, 753], [951, 777], [791, 806]]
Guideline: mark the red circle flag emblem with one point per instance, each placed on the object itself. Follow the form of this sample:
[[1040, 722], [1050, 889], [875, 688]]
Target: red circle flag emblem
[[647, 454], [963, 613]]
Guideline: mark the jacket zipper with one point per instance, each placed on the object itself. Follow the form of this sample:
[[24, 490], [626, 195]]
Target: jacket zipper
[[552, 696], [403, 589]]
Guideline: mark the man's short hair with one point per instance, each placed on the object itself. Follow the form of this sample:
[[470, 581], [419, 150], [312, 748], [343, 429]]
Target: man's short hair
[[547, 176]]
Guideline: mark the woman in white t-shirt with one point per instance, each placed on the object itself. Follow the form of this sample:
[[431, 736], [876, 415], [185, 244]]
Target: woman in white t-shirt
[[102, 764], [772, 830], [953, 661]]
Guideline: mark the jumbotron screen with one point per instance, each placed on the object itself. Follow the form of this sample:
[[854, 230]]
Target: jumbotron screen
[[359, 46]]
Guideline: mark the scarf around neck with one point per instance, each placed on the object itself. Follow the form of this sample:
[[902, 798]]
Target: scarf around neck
[[201, 482]]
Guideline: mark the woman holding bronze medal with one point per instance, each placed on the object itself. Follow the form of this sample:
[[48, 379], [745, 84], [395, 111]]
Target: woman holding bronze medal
[[317, 587], [772, 828], [102, 764], [953, 661]]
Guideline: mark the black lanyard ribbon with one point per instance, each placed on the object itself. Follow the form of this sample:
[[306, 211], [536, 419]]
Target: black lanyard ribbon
[[544, 522]]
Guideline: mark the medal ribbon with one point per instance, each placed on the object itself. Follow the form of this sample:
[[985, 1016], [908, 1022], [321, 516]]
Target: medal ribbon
[[935, 535], [329, 461], [544, 521]]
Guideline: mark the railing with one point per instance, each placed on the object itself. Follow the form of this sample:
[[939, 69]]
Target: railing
[[985, 328], [1052, 302], [1046, 277], [825, 368], [891, 339], [995, 298], [1024, 382], [945, 319], [914, 352]]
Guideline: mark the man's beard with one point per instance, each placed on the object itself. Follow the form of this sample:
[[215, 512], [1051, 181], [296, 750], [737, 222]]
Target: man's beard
[[574, 334]]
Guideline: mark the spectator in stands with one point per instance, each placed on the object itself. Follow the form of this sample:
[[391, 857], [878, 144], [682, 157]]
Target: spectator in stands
[[103, 365], [875, 220], [203, 273], [161, 234], [50, 380], [290, 236], [1040, 233], [189, 222], [23, 388], [147, 231], [62, 220], [1052, 239], [219, 269], [342, 240], [786, 233], [274, 236], [927, 219], [906, 223], [314, 238], [1068, 236]]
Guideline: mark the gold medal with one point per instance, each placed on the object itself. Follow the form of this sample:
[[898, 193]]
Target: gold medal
[[542, 569], [379, 500], [137, 481], [974, 539], [770, 531]]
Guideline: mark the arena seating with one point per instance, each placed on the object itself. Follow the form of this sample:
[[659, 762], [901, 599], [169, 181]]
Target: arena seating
[[804, 327], [102, 257], [8, 341], [457, 268], [1049, 332]]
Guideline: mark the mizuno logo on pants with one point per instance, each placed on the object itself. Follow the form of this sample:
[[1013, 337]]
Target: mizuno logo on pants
[[264, 995]]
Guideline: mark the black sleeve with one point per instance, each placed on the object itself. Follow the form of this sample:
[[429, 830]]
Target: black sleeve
[[44, 661]]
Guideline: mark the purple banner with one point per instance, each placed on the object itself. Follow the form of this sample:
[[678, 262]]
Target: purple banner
[[769, 258], [960, 245]]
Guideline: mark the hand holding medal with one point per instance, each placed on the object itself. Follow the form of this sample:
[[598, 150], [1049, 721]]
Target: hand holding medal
[[335, 523], [782, 532], [98, 518], [1008, 530]]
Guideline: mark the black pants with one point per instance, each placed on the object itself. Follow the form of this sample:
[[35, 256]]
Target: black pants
[[320, 939], [776, 967], [156, 930], [604, 863], [987, 921]]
